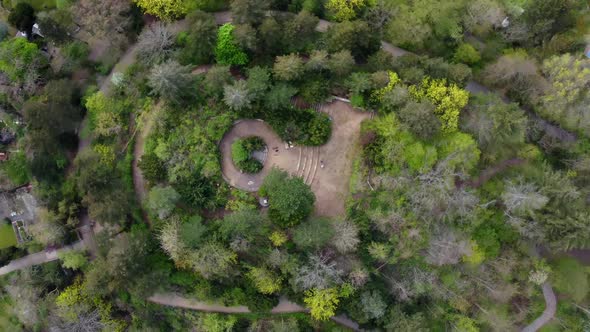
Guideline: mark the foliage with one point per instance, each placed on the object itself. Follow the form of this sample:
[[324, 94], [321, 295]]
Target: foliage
[[200, 40], [265, 281], [152, 168], [449, 100], [226, 51], [288, 67], [345, 236], [212, 260], [22, 17], [237, 96], [73, 259], [242, 150], [467, 54], [313, 234], [343, 10], [322, 302], [164, 9], [171, 81], [162, 200], [278, 238], [155, 43], [291, 200]]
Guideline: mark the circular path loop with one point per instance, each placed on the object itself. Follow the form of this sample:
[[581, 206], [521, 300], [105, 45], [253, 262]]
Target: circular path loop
[[284, 159]]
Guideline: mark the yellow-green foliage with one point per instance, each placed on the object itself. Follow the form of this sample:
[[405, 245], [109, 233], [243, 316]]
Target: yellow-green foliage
[[106, 152], [343, 10], [265, 281], [73, 301], [322, 302], [476, 256], [278, 238], [377, 95], [164, 9], [448, 98]]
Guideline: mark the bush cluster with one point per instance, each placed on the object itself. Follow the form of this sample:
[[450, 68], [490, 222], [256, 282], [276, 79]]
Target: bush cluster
[[241, 151]]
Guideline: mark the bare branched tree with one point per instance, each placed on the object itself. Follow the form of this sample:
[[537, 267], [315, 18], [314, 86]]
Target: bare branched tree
[[155, 43], [318, 273]]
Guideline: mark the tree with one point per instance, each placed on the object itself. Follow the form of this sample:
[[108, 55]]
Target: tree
[[318, 273], [291, 200], [237, 96], [162, 200], [200, 41], [249, 11], [74, 260], [288, 67], [345, 238], [420, 119], [245, 37], [216, 79], [494, 124], [544, 18], [227, 51], [170, 241], [265, 281], [271, 36], [447, 247], [523, 198], [322, 302], [397, 320], [279, 96], [171, 81], [164, 9], [155, 43], [258, 81], [213, 260], [318, 61], [104, 19], [192, 231], [372, 304], [483, 15], [313, 234], [354, 36], [344, 10], [466, 53], [300, 31], [22, 17], [152, 168], [341, 63], [22, 62], [47, 230]]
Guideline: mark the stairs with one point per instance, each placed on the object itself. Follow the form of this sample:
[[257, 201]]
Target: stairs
[[309, 159]]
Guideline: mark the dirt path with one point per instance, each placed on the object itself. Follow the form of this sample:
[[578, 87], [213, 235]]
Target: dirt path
[[284, 306], [488, 173], [38, 258], [548, 313]]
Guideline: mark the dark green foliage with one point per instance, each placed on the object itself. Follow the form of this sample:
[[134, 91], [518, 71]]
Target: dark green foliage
[[22, 17], [200, 40], [16, 168], [241, 151], [315, 91], [152, 168], [195, 190], [354, 36], [318, 130], [279, 96], [291, 200]]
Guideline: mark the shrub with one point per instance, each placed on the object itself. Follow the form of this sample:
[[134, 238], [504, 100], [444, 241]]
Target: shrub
[[466, 53], [241, 151], [227, 51], [319, 130]]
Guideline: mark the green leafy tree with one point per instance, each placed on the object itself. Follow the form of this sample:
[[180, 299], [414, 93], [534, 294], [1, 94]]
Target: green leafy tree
[[245, 37], [318, 61], [74, 260], [322, 302], [279, 96], [200, 41], [355, 36], [213, 260], [164, 9], [288, 67], [466, 53], [152, 168], [249, 11], [341, 63], [300, 31], [227, 51], [216, 79], [258, 81], [47, 230], [420, 119], [343, 10], [313, 234], [162, 200], [265, 281], [291, 200]]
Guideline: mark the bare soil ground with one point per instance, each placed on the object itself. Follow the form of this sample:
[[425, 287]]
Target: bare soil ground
[[329, 183]]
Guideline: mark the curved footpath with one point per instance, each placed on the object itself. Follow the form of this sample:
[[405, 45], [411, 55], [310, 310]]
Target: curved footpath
[[323, 25]]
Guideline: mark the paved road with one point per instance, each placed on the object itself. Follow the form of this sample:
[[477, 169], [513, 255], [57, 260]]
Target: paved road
[[38, 258]]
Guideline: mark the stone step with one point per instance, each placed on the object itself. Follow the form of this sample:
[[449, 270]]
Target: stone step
[[315, 168]]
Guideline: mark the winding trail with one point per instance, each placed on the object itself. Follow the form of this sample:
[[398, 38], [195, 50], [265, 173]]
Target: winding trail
[[548, 313], [38, 258]]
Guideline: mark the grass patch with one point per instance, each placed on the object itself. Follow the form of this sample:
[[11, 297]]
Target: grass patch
[[7, 236]]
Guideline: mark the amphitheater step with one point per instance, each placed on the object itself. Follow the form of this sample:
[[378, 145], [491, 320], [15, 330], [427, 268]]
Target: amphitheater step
[[313, 170]]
